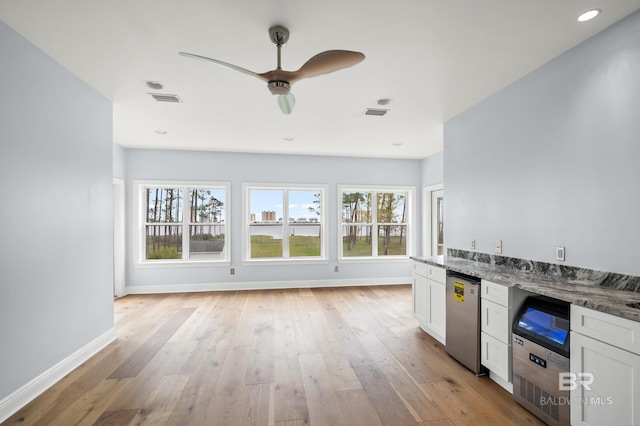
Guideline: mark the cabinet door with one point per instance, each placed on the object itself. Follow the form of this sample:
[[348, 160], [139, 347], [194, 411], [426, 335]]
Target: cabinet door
[[420, 305], [436, 311], [615, 374], [495, 355], [495, 320]]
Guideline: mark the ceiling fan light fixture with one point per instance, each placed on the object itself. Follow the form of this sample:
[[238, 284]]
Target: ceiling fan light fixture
[[279, 87], [588, 15]]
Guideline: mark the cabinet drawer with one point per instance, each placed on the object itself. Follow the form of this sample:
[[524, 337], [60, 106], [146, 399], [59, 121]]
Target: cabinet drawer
[[495, 320], [437, 274], [607, 328], [497, 293], [420, 268], [495, 356]]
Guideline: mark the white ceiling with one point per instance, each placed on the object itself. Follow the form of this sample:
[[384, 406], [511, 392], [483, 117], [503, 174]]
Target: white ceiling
[[434, 58]]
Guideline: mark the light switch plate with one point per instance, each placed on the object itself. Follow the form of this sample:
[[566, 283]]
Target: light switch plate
[[473, 244], [498, 249], [560, 253]]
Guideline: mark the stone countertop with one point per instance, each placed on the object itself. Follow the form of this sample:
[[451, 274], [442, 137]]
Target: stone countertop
[[578, 292]]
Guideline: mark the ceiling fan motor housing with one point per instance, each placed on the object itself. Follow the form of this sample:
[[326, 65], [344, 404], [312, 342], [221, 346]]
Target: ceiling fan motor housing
[[277, 87]]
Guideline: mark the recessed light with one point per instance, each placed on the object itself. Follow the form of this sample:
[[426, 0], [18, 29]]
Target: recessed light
[[588, 15], [161, 132], [397, 144], [154, 85], [289, 139], [384, 101]]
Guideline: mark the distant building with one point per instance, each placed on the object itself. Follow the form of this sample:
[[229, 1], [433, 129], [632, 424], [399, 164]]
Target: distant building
[[253, 217], [268, 216]]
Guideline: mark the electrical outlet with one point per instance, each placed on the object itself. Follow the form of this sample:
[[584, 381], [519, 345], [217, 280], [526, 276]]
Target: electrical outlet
[[498, 248], [473, 244], [335, 269], [232, 271], [560, 253]]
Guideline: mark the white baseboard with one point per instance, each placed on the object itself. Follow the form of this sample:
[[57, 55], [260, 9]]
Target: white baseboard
[[21, 397], [263, 285]]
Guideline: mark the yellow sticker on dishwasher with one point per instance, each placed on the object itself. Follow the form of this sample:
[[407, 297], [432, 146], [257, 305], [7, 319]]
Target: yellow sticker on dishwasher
[[458, 291]]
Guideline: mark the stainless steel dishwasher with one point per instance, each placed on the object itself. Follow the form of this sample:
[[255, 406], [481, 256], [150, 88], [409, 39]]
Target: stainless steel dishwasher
[[463, 320]]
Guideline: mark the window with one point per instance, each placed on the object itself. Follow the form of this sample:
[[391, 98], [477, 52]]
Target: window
[[375, 222], [182, 222], [285, 222]]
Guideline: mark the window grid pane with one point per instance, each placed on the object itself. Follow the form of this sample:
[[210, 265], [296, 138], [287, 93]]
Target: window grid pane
[[206, 205], [266, 241], [305, 240], [164, 205], [164, 241], [356, 240], [392, 240], [356, 207]]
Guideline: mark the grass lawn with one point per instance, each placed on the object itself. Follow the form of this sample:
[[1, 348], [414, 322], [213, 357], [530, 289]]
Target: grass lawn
[[265, 246], [363, 247]]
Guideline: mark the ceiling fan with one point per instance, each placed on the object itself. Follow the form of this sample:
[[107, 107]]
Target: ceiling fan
[[279, 81]]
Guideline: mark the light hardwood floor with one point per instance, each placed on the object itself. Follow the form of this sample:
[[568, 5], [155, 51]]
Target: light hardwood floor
[[331, 356]]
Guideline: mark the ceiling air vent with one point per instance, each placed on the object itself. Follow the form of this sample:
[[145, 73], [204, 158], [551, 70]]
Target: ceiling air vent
[[165, 98], [376, 111]]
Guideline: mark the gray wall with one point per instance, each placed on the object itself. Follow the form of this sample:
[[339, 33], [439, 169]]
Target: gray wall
[[552, 160], [55, 216], [432, 169], [119, 162], [239, 168]]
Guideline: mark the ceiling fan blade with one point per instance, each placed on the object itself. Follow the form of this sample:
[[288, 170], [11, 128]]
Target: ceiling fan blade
[[286, 102], [222, 64], [326, 62]]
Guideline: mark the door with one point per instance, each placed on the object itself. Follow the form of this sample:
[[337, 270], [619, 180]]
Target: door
[[437, 222]]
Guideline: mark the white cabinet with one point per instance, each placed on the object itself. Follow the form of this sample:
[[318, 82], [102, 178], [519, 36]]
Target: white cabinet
[[605, 367], [429, 297], [495, 332], [498, 305], [420, 299], [436, 309]]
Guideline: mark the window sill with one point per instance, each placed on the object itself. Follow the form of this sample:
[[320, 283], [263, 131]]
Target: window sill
[[377, 259], [183, 264], [282, 262]]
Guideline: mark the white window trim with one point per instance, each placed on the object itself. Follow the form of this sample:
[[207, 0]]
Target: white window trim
[[410, 224], [246, 234], [139, 211], [428, 218]]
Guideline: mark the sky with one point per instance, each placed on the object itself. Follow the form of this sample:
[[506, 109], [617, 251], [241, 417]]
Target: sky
[[272, 200]]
